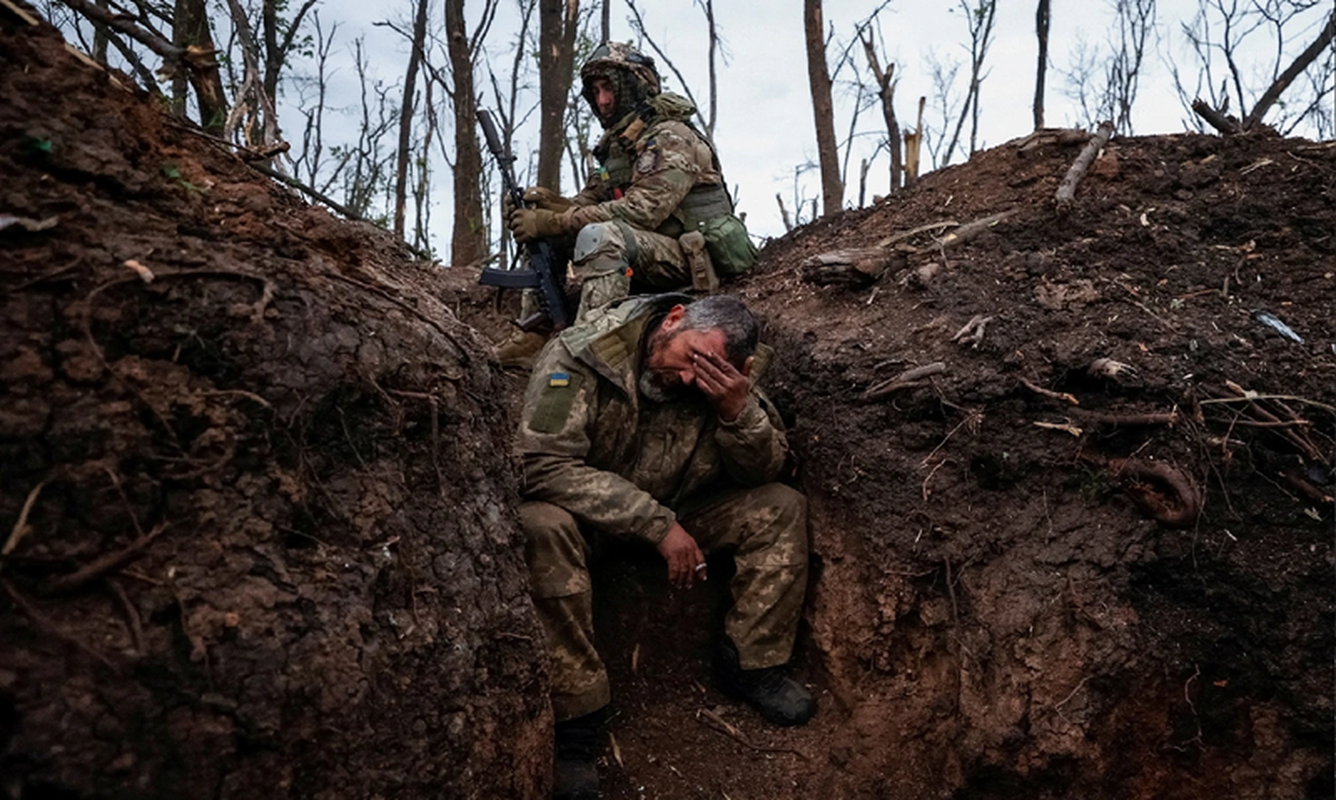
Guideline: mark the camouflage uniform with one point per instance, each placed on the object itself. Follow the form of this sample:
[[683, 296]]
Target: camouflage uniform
[[600, 460], [656, 176]]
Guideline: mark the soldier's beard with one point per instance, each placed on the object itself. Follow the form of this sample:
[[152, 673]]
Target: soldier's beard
[[660, 386]]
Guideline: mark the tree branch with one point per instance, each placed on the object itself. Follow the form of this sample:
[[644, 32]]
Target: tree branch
[[1300, 64]]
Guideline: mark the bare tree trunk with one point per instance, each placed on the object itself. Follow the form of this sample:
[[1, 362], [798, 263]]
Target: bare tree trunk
[[1042, 18], [980, 22], [784, 213], [468, 241], [406, 114], [818, 77], [914, 148], [192, 20], [558, 21], [714, 83], [276, 48], [1300, 64], [100, 39], [886, 93]]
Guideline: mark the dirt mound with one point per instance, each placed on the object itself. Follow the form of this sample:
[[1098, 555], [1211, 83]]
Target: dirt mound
[[999, 609], [258, 509], [1087, 553], [259, 534]]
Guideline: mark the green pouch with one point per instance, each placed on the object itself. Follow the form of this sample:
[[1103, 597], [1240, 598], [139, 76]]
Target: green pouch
[[731, 249]]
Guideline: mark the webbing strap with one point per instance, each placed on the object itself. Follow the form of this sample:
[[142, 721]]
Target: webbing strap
[[632, 244]]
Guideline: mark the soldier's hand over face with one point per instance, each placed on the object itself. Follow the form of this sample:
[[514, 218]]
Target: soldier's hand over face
[[683, 557], [724, 385], [534, 223]]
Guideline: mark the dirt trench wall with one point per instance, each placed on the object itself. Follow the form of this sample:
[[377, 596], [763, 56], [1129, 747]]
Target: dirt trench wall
[[999, 616], [257, 505]]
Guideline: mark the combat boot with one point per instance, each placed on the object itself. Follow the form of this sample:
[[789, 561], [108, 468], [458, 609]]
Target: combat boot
[[519, 349], [779, 698], [576, 775]]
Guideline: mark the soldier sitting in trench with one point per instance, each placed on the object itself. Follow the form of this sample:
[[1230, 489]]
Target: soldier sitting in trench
[[658, 184], [644, 423]]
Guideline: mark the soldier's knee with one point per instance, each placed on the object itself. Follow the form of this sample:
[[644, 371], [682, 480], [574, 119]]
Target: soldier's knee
[[554, 551], [786, 518], [544, 522], [604, 248], [790, 505]]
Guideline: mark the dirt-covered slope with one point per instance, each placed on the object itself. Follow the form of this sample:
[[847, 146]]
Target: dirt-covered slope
[[998, 612], [256, 508], [257, 512]]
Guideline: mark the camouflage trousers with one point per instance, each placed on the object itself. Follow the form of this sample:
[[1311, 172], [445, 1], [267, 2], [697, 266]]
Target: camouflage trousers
[[612, 260], [767, 525]]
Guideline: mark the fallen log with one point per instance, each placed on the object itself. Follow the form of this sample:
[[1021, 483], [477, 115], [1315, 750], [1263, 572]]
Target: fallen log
[[1067, 189], [1216, 119]]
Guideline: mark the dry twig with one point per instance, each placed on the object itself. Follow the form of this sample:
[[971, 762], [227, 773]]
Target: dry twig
[[42, 622], [907, 379], [103, 564], [1064, 396], [972, 333], [715, 722], [21, 526]]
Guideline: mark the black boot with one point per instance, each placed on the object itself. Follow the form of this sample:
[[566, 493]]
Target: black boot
[[576, 775], [779, 698]]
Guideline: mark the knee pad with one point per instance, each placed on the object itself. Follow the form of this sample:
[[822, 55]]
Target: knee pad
[[603, 248]]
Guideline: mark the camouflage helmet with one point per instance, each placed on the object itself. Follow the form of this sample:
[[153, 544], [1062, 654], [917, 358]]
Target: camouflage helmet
[[632, 74]]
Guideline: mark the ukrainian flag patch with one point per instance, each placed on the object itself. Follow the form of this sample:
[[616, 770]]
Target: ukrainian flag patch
[[559, 379]]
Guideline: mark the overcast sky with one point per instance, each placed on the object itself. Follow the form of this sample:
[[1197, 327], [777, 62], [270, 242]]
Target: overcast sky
[[765, 128]]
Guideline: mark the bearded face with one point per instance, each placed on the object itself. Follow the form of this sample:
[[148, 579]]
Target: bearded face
[[657, 383], [669, 370]]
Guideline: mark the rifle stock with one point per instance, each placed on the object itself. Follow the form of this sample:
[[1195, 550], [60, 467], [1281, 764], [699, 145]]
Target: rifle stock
[[543, 274]]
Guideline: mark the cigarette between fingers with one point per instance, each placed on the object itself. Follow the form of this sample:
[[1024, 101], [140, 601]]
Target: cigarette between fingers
[[700, 566]]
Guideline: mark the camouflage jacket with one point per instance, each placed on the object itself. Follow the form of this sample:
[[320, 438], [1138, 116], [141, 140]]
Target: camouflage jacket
[[646, 171], [588, 441]]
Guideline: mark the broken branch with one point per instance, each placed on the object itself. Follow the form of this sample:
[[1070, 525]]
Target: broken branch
[[1067, 189], [972, 333], [102, 565], [715, 722], [1064, 396], [21, 527], [905, 380]]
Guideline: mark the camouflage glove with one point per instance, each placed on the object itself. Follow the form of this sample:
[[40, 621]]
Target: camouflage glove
[[527, 224], [539, 197]]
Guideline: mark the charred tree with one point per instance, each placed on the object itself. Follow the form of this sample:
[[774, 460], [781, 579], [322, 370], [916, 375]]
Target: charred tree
[[468, 240], [886, 94], [406, 114], [823, 108], [1301, 63], [558, 22], [1042, 18]]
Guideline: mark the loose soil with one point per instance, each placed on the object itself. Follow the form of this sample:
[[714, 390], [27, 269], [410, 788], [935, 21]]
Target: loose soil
[[258, 516], [332, 597]]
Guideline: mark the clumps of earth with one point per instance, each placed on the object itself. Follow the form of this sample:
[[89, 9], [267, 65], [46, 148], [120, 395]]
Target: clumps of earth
[[1069, 472]]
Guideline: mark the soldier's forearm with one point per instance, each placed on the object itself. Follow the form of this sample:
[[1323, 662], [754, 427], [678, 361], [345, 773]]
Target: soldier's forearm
[[598, 498]]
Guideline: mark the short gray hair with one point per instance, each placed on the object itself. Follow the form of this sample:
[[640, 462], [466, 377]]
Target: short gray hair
[[728, 314]]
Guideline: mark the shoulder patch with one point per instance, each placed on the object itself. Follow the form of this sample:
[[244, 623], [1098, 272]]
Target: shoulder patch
[[648, 160], [554, 405]]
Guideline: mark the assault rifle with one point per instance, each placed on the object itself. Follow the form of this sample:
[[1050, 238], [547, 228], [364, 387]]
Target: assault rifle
[[543, 272]]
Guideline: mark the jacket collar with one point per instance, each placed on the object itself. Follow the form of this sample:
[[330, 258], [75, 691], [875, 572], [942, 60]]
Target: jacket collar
[[609, 341]]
